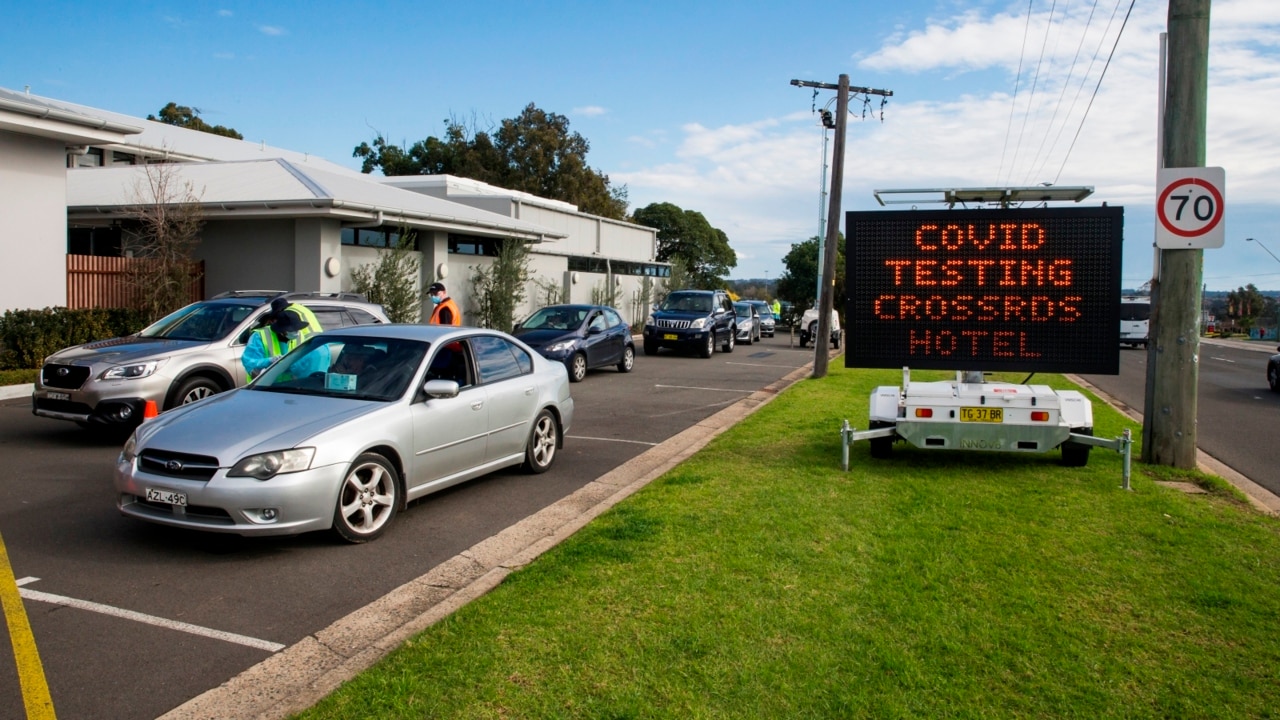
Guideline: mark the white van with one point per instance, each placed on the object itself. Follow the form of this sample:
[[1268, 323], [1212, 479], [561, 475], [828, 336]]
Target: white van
[[1135, 317]]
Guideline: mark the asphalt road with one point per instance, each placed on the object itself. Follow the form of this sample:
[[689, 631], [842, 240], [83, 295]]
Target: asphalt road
[[131, 619], [1237, 414]]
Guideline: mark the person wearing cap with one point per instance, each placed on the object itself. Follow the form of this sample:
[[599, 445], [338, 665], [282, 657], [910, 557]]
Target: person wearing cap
[[286, 331], [281, 304], [446, 310]]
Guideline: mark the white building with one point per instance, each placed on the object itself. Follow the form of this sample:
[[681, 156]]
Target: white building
[[280, 219]]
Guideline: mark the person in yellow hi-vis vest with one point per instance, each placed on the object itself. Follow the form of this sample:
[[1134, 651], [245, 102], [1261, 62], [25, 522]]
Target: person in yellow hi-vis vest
[[290, 324]]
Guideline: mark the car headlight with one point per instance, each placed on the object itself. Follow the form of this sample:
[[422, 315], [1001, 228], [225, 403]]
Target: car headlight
[[132, 371], [560, 346], [130, 449], [697, 324], [649, 320], [265, 466]]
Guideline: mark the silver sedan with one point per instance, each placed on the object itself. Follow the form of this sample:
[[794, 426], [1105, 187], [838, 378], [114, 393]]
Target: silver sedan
[[347, 429]]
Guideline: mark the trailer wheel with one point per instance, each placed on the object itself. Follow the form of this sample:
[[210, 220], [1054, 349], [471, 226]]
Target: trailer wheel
[[1076, 454], [881, 447]]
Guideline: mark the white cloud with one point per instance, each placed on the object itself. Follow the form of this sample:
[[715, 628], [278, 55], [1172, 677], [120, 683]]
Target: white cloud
[[272, 30], [590, 111], [225, 13]]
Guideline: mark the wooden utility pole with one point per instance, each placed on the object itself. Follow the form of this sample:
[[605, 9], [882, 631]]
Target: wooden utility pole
[[826, 296], [1174, 349]]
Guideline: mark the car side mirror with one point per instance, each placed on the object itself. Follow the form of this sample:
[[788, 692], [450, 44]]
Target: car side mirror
[[593, 330], [440, 388]]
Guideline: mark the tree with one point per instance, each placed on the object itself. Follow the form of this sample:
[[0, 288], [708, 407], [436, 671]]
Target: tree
[[169, 220], [187, 117], [534, 153], [799, 281], [1245, 305], [686, 235], [497, 290], [392, 281]]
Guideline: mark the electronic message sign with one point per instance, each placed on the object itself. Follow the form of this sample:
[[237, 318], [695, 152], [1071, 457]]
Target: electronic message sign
[[1019, 290]]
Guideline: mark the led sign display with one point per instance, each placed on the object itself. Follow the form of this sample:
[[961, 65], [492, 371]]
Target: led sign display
[[1019, 290]]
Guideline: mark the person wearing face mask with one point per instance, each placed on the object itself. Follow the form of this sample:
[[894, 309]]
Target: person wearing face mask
[[446, 310], [285, 332]]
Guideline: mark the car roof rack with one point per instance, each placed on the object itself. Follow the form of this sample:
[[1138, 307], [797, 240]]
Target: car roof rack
[[355, 297], [249, 293]]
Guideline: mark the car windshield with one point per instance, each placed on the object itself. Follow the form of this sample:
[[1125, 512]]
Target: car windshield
[[1135, 311], [687, 302], [200, 321], [363, 368], [764, 309], [742, 309], [556, 317]]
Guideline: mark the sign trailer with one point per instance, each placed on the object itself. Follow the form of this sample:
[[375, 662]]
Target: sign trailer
[[1034, 290]]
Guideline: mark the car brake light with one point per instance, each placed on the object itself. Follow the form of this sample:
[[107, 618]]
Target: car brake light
[[1039, 416], [924, 412]]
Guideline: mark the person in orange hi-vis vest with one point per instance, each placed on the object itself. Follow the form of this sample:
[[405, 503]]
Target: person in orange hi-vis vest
[[446, 310]]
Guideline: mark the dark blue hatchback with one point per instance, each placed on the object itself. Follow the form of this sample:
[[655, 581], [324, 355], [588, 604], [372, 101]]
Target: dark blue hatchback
[[580, 336]]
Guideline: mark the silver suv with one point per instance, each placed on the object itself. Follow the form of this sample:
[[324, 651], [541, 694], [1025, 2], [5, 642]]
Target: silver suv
[[185, 356]]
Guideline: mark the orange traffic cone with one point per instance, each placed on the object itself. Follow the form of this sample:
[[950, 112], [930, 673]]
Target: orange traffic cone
[[149, 410]]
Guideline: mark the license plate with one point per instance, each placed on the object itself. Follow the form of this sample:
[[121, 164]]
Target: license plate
[[981, 414], [669, 336], [58, 396], [168, 497]]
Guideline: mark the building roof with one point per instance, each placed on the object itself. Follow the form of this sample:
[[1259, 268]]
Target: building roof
[[33, 115], [281, 188]]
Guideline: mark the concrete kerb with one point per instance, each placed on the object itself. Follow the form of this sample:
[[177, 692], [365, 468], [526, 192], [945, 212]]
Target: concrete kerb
[[301, 675], [13, 392]]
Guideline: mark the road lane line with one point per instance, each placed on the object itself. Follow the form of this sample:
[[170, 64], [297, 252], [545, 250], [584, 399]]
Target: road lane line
[[35, 689], [690, 387], [584, 437], [149, 619], [1225, 360]]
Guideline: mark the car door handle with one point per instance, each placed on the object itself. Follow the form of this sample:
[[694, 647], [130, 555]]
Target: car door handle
[[477, 405], [529, 390]]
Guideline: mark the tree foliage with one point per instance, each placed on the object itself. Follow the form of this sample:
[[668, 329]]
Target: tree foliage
[[169, 220], [499, 289], [534, 152], [686, 235], [1247, 304], [799, 281], [392, 281], [188, 117]]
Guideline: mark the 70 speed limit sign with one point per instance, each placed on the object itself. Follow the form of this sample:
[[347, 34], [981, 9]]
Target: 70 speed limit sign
[[1190, 205]]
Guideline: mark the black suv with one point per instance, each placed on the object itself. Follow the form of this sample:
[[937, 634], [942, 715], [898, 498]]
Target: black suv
[[692, 320]]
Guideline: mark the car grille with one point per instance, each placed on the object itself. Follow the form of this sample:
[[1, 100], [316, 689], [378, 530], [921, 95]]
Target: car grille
[[63, 406], [69, 377], [200, 513], [674, 324], [178, 465]]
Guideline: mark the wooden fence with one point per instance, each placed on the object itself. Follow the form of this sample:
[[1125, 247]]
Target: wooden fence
[[96, 281]]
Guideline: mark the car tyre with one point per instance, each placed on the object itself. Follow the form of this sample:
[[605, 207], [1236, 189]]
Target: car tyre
[[710, 346], [368, 499], [1273, 377], [577, 367], [628, 359], [835, 341], [650, 348], [196, 388], [728, 343], [1076, 454], [544, 438]]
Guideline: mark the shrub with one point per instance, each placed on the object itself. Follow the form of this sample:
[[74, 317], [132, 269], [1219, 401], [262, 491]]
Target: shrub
[[27, 337]]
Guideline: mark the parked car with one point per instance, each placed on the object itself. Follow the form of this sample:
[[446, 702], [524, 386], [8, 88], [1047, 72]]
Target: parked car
[[748, 322], [580, 336], [768, 323], [809, 328], [1273, 372], [692, 320], [1135, 317], [185, 356], [424, 408]]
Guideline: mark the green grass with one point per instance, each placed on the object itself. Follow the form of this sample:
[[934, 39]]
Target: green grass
[[759, 580]]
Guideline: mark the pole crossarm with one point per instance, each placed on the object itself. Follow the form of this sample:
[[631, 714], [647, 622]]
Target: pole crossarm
[[832, 86]]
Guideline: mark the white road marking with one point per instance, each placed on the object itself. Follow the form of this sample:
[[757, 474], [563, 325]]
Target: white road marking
[[689, 387], [1214, 357], [584, 437], [789, 367], [144, 618]]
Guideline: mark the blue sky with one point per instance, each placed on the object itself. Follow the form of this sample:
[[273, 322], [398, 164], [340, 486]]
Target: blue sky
[[690, 102]]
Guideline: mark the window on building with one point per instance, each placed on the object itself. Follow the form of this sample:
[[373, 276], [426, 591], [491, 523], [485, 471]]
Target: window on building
[[379, 237], [473, 245]]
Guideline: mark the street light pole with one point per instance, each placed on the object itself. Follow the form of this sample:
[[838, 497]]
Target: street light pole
[[1264, 247]]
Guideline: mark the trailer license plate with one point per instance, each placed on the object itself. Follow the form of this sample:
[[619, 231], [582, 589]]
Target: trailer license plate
[[670, 336], [981, 414], [167, 496]]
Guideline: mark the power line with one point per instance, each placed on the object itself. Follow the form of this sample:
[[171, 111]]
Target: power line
[[1017, 80], [1035, 81], [1095, 90], [1034, 170]]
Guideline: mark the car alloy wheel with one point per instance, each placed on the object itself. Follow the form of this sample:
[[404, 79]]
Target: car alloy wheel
[[628, 359], [728, 343], [197, 388], [577, 367], [543, 439], [367, 500], [710, 347]]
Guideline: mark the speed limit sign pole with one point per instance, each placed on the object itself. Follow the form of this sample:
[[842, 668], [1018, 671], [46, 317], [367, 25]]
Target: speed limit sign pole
[[1191, 213]]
